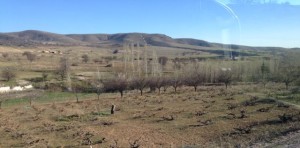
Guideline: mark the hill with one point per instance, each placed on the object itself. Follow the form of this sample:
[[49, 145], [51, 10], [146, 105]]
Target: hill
[[34, 37]]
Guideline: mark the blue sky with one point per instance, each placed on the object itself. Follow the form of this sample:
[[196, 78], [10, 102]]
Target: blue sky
[[257, 24]]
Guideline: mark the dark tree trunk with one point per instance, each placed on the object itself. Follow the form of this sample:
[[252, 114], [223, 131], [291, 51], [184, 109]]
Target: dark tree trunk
[[112, 110], [165, 89], [77, 99], [121, 92], [141, 90], [195, 87]]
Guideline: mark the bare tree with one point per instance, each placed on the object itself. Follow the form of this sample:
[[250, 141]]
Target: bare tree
[[159, 82], [163, 61], [98, 87], [44, 76], [76, 89], [34, 95], [85, 58], [194, 80], [225, 77], [286, 75], [152, 84], [64, 68], [117, 84], [175, 82], [97, 84], [140, 83], [5, 55], [8, 73], [166, 83], [30, 56]]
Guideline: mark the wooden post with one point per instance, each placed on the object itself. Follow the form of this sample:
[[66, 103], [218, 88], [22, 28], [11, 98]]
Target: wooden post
[[112, 111]]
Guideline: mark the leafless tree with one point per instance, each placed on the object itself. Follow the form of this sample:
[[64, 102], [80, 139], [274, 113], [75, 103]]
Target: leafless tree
[[8, 73], [98, 87], [77, 88], [5, 55], [225, 77], [163, 61], [140, 83], [44, 76], [30, 56], [64, 68], [159, 82], [175, 82], [85, 58], [152, 83], [194, 79], [119, 84]]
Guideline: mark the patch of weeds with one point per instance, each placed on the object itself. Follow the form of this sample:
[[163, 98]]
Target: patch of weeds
[[282, 105], [100, 113], [167, 118], [202, 123], [62, 118], [266, 101], [68, 118], [241, 130], [264, 109], [228, 98], [200, 113], [248, 103], [285, 118], [231, 106]]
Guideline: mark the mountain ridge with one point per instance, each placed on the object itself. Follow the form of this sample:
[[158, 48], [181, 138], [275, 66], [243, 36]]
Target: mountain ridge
[[36, 37]]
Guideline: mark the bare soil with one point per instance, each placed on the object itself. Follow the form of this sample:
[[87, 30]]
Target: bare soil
[[210, 117]]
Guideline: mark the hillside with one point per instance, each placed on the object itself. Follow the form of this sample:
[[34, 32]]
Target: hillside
[[33, 37]]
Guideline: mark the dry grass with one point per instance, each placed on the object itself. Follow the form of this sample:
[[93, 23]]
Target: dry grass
[[210, 117]]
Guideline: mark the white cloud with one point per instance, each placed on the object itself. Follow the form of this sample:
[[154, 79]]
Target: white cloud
[[291, 2]]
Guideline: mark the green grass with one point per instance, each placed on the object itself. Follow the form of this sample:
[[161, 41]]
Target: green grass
[[47, 97], [101, 113], [12, 102], [292, 98]]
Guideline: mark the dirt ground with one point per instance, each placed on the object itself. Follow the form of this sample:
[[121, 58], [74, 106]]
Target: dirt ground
[[210, 117]]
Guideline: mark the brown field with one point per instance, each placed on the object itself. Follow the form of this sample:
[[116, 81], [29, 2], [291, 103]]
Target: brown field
[[210, 117], [243, 115]]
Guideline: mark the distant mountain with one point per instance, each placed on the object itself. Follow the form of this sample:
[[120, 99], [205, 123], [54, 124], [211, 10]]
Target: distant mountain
[[30, 37], [121, 38], [34, 37]]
